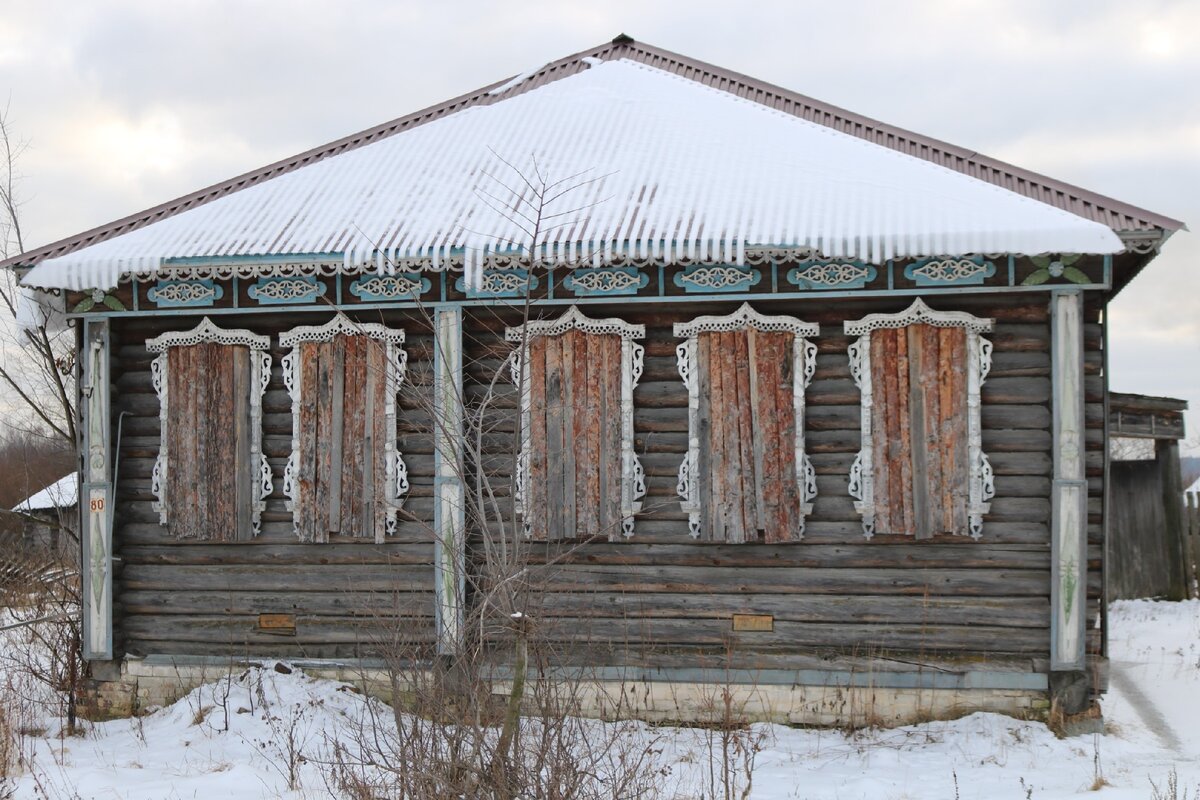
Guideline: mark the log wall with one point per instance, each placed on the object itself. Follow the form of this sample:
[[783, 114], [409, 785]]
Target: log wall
[[660, 598]]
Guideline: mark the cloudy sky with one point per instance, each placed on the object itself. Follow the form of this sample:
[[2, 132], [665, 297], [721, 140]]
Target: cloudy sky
[[127, 104]]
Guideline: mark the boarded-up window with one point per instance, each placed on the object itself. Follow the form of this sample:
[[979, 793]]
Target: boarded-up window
[[578, 476], [210, 478], [921, 470], [345, 476], [746, 476]]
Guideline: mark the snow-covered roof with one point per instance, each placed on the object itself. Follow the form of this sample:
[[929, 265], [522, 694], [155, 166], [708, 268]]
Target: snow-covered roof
[[670, 168], [61, 494], [1195, 487]]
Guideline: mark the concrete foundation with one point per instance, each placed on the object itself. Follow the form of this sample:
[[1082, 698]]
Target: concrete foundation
[[143, 685]]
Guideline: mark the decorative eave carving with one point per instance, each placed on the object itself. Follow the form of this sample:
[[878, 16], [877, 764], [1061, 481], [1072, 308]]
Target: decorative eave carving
[[260, 376], [746, 317], [633, 476], [804, 357], [575, 319], [981, 486], [397, 361], [919, 312]]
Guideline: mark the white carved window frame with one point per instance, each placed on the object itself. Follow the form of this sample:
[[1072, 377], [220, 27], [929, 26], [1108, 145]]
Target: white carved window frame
[[804, 364], [979, 362], [396, 358], [260, 375], [633, 477]]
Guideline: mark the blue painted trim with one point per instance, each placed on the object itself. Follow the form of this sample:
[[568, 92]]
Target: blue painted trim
[[692, 278], [261, 290], [387, 287], [986, 269], [207, 291], [531, 282], [833, 275], [622, 281], [724, 298]]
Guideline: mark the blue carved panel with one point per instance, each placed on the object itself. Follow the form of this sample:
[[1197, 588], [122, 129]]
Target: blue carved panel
[[831, 275], [605, 281], [951, 271], [185, 293], [710, 278], [381, 288], [293, 289], [500, 283]]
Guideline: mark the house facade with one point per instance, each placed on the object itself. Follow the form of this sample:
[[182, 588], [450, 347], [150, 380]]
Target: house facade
[[770, 393]]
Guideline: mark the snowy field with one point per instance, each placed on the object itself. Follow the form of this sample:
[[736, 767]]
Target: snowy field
[[1152, 714]]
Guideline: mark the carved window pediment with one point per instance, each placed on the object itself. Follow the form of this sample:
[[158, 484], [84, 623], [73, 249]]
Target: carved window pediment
[[345, 474], [746, 475], [577, 475], [211, 478], [921, 469]]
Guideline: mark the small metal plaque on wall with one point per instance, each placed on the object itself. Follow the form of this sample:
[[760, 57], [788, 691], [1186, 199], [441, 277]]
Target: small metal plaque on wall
[[753, 622], [277, 624]]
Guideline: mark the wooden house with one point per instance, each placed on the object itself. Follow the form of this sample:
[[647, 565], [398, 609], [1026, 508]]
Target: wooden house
[[810, 404]]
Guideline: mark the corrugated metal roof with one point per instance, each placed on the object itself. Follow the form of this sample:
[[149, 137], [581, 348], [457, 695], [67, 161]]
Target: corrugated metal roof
[[785, 104]]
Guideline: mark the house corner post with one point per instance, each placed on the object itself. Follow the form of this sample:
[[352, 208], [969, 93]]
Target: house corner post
[[449, 501], [96, 493], [1069, 685]]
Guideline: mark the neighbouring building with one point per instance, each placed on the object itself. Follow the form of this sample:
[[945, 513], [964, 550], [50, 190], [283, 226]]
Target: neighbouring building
[[809, 403]]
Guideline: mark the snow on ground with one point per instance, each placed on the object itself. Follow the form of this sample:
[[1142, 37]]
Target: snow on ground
[[1152, 710]]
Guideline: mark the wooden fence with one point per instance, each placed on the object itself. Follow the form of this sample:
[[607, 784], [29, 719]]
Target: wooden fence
[[1191, 541]]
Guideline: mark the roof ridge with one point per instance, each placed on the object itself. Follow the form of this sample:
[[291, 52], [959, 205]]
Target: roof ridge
[[1018, 180]]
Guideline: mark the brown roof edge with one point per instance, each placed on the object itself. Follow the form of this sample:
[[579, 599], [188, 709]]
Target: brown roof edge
[[1121, 401], [1030, 184]]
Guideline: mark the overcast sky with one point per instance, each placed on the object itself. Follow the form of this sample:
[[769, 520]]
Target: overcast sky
[[127, 104]]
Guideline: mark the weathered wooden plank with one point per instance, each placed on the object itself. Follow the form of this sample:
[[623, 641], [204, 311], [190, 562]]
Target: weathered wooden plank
[[337, 429], [290, 554], [242, 466], [354, 454], [939, 480], [741, 413], [379, 386], [382, 604], [570, 470], [757, 432], [702, 488], [555, 414], [919, 441], [305, 505], [329, 578], [785, 410], [244, 630]]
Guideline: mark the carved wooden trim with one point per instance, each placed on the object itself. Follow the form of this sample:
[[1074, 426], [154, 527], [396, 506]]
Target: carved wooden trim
[[397, 361], [981, 486], [804, 364], [260, 375], [633, 477]]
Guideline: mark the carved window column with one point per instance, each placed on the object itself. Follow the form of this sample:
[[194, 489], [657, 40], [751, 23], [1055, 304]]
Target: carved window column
[[211, 479], [345, 474], [746, 475], [449, 501], [1068, 526], [577, 474], [921, 469]]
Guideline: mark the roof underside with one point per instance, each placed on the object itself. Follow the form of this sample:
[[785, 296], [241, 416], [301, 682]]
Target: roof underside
[[670, 158]]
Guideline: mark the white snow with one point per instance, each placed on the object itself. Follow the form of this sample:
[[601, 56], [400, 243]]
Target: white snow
[[1195, 487], [186, 750], [648, 164], [61, 494]]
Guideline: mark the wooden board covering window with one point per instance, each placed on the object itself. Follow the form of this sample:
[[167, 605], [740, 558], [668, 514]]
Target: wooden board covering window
[[211, 476], [342, 474], [747, 482], [919, 424], [573, 487]]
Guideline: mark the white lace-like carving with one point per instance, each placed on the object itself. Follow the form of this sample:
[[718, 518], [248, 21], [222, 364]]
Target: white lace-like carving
[[388, 286], [260, 376], [979, 359], [396, 476], [804, 364], [604, 280], [633, 477], [746, 317], [503, 282], [207, 331], [950, 269], [183, 292], [575, 319], [833, 274], [715, 278], [919, 312]]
